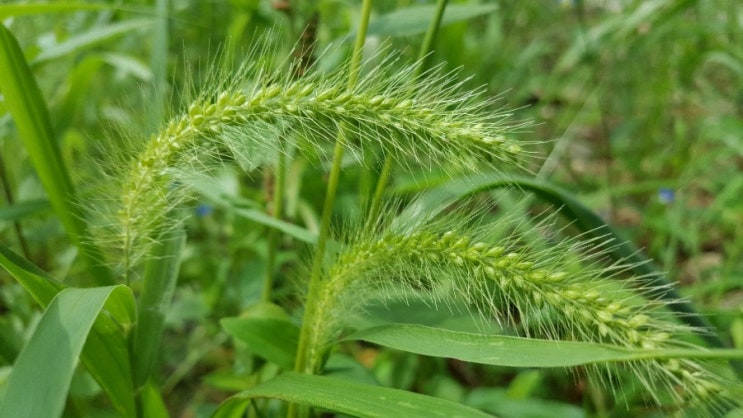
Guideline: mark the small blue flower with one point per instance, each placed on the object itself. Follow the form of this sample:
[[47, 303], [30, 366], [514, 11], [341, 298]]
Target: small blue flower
[[204, 209], [666, 195]]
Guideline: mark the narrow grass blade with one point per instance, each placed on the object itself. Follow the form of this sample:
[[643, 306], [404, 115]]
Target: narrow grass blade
[[255, 215], [152, 401], [158, 286], [91, 38], [346, 397], [36, 282], [510, 351], [105, 354], [415, 19], [29, 111], [41, 377], [15, 10]]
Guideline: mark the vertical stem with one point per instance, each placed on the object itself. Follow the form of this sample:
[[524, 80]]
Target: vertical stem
[[358, 46], [423, 59], [159, 63], [430, 38], [304, 362], [273, 234], [10, 200], [303, 60]]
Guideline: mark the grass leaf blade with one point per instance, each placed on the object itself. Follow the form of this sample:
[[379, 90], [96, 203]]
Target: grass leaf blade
[[41, 377], [29, 110], [91, 38], [501, 350], [159, 281], [347, 397], [105, 354]]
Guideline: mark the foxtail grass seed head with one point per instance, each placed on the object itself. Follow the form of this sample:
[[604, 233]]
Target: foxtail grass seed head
[[439, 122], [538, 292]]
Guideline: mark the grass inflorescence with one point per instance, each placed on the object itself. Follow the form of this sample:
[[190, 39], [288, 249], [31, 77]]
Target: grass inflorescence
[[559, 292], [436, 123], [562, 292]]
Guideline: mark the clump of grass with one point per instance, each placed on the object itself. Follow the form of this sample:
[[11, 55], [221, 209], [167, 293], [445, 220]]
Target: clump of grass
[[558, 292]]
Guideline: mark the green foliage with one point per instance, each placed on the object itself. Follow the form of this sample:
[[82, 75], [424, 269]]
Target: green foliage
[[441, 281], [65, 324]]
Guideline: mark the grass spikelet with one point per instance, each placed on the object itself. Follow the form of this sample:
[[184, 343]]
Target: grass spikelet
[[562, 291], [243, 116]]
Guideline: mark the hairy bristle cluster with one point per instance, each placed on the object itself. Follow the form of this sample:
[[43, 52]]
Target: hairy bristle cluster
[[535, 293], [435, 124]]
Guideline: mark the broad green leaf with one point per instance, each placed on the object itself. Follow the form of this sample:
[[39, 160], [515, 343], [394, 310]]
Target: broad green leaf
[[29, 111], [346, 397], [509, 351], [415, 19], [105, 354], [95, 36], [158, 286], [41, 376], [267, 334]]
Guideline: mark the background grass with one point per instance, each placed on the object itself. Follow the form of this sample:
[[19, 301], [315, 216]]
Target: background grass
[[639, 105]]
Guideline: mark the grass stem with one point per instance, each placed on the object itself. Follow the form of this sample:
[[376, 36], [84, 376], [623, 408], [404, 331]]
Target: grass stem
[[9, 199], [423, 59], [273, 234], [305, 363]]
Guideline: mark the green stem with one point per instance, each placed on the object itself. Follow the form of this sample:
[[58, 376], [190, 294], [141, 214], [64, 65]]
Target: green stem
[[382, 181], [9, 198], [358, 46], [158, 286], [423, 59], [159, 63], [430, 38], [303, 60], [305, 363], [273, 234]]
